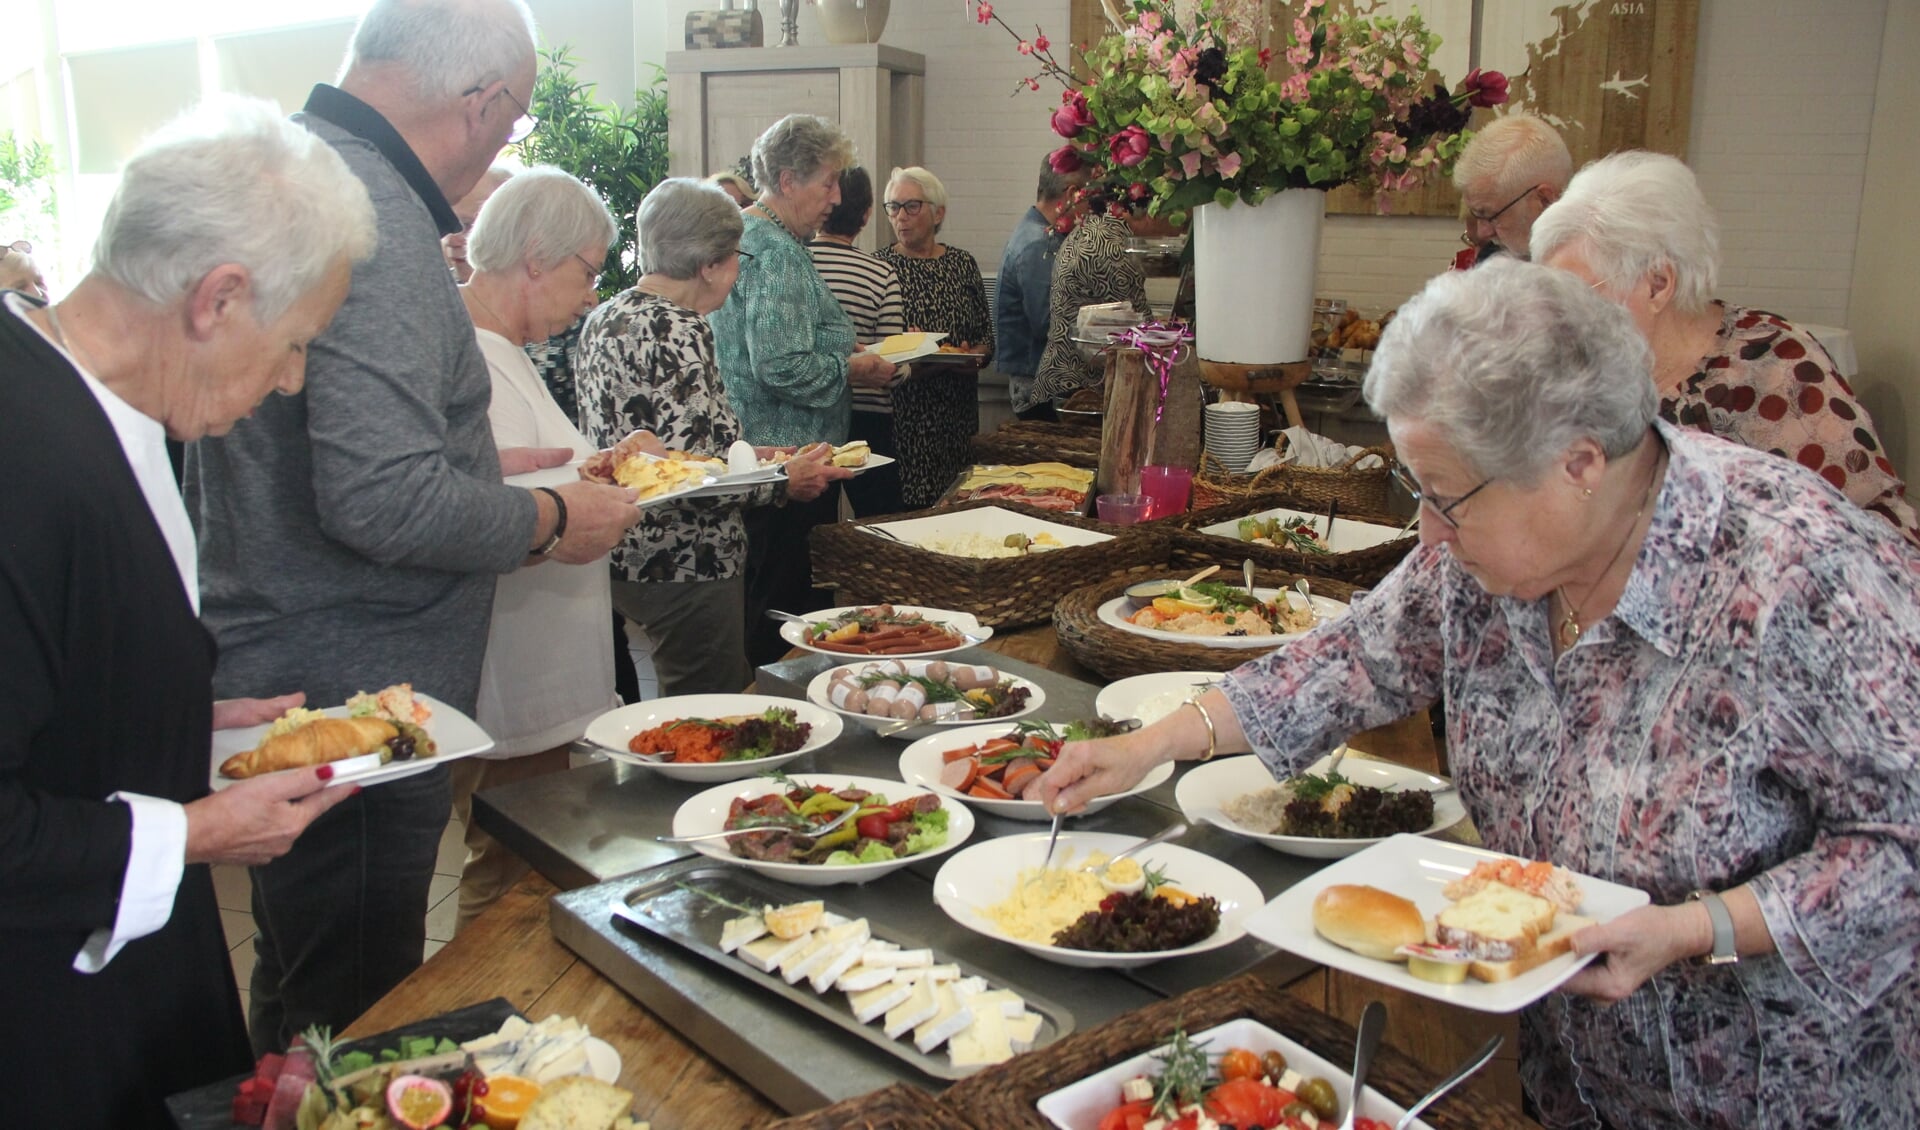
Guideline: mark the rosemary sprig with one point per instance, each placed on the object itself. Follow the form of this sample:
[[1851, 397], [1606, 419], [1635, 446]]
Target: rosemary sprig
[[1157, 877], [320, 1042], [726, 902], [1314, 786], [1183, 1074]]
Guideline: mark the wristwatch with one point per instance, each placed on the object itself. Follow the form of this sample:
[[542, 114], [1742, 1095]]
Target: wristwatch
[[1724, 952]]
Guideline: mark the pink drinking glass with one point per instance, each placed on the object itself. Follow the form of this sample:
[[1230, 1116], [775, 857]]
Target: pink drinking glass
[[1122, 509], [1168, 487]]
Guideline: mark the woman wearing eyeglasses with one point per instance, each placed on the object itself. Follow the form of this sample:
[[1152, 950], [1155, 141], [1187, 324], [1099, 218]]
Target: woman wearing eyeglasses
[[936, 413], [18, 271], [647, 363], [1636, 227], [1669, 662]]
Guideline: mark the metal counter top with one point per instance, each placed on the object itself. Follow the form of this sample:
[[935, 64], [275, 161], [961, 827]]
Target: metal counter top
[[593, 828]]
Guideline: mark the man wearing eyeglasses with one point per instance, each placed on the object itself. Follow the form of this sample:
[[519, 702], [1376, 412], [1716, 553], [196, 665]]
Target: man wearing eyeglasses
[[1512, 169], [350, 536]]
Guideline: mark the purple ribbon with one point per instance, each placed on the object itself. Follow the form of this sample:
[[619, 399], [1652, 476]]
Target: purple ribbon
[[1164, 344]]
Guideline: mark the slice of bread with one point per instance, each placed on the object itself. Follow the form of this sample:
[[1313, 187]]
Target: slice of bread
[[578, 1102], [1548, 946], [1495, 923]]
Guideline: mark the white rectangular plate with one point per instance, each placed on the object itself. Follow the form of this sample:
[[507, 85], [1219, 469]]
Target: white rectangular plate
[[930, 345], [990, 521], [548, 476], [1081, 1106], [1419, 868], [1348, 535], [456, 734]]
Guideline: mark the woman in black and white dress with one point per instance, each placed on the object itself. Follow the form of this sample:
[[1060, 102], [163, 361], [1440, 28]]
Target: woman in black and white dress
[[1092, 267], [937, 411]]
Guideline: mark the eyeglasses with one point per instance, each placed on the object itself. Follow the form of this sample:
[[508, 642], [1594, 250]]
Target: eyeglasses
[[747, 255], [910, 207], [22, 246], [1488, 220], [592, 270], [1421, 498], [523, 126]]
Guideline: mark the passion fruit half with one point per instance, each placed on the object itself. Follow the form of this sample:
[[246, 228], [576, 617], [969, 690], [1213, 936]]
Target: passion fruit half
[[419, 1103]]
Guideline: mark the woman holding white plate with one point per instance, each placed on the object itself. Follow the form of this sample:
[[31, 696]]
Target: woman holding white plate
[[1669, 662]]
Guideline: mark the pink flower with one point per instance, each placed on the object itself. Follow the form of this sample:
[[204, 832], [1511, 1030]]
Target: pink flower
[[1266, 56], [1026, 48], [1484, 88], [1294, 87], [1040, 43], [984, 13], [1150, 22], [1129, 147], [1302, 34], [1072, 116], [1033, 83], [1065, 160], [1229, 164], [1138, 191], [1190, 165]]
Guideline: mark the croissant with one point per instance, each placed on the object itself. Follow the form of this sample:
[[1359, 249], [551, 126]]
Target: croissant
[[316, 743]]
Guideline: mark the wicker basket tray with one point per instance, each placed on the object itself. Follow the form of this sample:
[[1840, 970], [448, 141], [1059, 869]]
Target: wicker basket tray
[[1036, 441], [899, 1107], [1004, 1097], [1005, 592], [1192, 549], [1117, 653], [1367, 491]]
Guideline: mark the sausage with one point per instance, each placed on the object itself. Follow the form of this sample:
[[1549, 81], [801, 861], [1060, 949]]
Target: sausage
[[908, 702], [937, 671], [972, 676], [841, 675], [880, 698], [893, 669]]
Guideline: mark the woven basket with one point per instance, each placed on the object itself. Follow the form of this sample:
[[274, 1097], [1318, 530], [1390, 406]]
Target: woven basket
[[1192, 549], [1364, 491], [1037, 441], [1118, 654], [1004, 1097], [1005, 592], [899, 1107]]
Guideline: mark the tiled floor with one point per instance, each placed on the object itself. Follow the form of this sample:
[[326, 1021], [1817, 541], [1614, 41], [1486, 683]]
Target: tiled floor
[[236, 910]]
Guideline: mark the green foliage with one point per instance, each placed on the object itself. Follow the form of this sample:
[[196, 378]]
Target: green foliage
[[26, 187], [621, 153]]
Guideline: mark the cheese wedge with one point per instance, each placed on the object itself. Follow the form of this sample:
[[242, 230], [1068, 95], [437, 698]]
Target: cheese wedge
[[1004, 1001], [928, 973], [919, 1007], [845, 956], [739, 931], [863, 977], [805, 959], [985, 1041], [869, 1004], [1023, 1030], [898, 958], [766, 954], [952, 1018], [899, 343]]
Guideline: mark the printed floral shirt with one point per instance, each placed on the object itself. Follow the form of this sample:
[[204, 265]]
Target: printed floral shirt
[[1746, 715], [644, 362], [1771, 386]]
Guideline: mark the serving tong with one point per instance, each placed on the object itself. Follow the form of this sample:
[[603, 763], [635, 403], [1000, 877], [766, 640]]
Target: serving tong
[[810, 833]]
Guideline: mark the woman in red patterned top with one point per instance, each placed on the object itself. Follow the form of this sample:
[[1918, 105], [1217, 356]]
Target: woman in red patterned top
[[1635, 226]]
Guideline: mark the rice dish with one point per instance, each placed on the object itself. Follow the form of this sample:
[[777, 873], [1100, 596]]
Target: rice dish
[[975, 544]]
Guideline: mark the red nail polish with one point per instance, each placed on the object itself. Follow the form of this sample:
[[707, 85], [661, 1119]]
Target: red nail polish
[[326, 772], [357, 790]]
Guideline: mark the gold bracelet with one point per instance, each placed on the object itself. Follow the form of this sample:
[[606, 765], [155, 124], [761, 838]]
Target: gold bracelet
[[1212, 735]]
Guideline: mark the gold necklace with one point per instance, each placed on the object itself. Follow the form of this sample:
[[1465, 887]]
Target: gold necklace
[[1570, 626]]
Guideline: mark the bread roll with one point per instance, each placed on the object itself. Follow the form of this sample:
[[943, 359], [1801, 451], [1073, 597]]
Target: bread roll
[[1367, 920], [316, 743], [577, 1102]]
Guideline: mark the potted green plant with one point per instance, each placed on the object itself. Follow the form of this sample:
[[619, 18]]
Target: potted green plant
[[27, 206]]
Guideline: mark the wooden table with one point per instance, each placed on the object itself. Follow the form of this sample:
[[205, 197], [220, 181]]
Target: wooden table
[[510, 952]]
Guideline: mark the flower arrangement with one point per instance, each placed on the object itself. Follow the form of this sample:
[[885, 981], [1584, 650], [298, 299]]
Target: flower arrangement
[[1184, 111]]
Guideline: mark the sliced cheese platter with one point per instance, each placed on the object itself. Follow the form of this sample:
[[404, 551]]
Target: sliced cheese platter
[[941, 1016]]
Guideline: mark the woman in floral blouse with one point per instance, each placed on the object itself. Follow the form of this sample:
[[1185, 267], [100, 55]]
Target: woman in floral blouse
[[1668, 663], [646, 363], [937, 411], [1636, 227]]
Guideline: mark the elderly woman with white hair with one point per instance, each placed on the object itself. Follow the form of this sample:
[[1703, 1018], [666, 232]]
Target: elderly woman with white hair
[[1515, 166], [537, 247], [647, 364], [19, 272], [227, 247], [788, 352], [1636, 227], [1667, 664], [936, 413]]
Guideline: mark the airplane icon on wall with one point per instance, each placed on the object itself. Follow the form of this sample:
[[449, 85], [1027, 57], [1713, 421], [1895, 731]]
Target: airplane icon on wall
[[1618, 85]]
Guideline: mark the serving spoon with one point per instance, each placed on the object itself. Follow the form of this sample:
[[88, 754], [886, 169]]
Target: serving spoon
[[1474, 1063], [810, 833], [1178, 829], [584, 745], [1373, 1022]]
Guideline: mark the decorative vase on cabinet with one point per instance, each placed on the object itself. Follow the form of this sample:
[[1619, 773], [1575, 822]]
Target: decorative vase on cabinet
[[852, 21]]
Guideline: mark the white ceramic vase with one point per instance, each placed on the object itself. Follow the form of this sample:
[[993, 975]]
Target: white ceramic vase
[[1253, 277], [852, 21]]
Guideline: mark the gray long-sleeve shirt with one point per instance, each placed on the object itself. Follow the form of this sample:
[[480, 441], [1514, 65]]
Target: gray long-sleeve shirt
[[350, 536]]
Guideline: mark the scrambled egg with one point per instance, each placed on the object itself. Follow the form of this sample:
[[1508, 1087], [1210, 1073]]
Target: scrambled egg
[[1043, 903], [292, 720], [655, 477]]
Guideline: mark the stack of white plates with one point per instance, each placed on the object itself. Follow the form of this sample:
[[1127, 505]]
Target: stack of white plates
[[1232, 430]]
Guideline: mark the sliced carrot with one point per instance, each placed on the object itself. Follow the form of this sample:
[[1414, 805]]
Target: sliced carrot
[[997, 746], [987, 789], [1019, 776], [957, 775], [1045, 763], [963, 752]]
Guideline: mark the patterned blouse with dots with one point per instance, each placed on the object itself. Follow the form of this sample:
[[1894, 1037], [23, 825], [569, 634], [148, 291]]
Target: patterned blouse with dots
[[1770, 386]]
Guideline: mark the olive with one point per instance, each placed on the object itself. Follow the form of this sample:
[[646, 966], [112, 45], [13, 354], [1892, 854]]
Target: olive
[[1298, 1111], [402, 748], [1318, 1094], [1274, 1065]]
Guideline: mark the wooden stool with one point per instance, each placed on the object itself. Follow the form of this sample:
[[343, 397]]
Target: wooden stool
[[1248, 382]]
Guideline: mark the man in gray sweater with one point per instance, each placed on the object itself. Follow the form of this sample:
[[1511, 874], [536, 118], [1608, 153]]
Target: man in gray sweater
[[350, 536]]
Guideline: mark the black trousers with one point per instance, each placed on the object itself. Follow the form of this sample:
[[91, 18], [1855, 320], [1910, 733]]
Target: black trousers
[[780, 570], [876, 491]]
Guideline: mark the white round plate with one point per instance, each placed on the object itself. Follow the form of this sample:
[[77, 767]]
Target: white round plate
[[817, 694], [796, 634], [615, 728], [1204, 792], [705, 812], [1115, 612], [984, 874], [1152, 697], [921, 762]]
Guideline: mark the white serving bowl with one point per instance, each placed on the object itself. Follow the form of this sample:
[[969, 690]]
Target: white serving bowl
[[1204, 792], [920, 765], [615, 728], [817, 694], [706, 812], [962, 622], [1152, 697]]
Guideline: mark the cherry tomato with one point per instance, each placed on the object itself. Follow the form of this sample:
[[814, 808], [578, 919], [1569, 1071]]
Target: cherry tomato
[[1239, 1063], [1245, 1102], [1128, 1116], [873, 826], [1370, 1124]]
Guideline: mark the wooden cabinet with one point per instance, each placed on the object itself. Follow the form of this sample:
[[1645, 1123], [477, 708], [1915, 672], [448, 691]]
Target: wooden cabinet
[[719, 101]]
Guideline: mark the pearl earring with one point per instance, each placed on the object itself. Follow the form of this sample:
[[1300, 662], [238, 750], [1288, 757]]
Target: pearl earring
[[1587, 493]]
